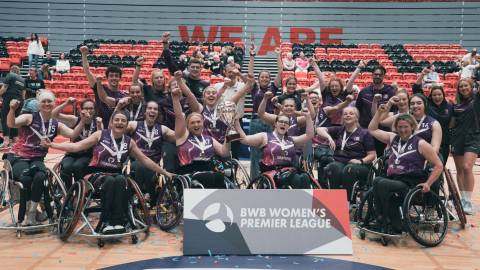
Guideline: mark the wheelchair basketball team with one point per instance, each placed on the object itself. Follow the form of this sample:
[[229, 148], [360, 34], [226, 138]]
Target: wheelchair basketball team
[[171, 135]]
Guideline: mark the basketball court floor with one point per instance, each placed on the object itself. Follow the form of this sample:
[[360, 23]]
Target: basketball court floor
[[459, 250]]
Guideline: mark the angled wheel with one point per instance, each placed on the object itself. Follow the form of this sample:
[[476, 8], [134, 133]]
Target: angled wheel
[[425, 217], [455, 197], [169, 207], [262, 182], [139, 207], [240, 174], [71, 210], [57, 192]]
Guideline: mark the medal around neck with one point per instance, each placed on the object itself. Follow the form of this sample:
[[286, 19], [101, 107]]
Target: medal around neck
[[228, 111]]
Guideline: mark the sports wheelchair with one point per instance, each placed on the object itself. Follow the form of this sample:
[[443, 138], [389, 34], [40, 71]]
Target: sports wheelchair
[[11, 193], [269, 179], [170, 198], [80, 213]]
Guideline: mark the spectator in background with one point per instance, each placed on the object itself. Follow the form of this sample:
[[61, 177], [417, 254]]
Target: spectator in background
[[468, 69], [216, 65], [302, 63], [48, 60], [231, 62], [470, 58], [33, 84], [44, 73], [63, 65], [288, 63], [13, 88], [35, 50], [431, 78]]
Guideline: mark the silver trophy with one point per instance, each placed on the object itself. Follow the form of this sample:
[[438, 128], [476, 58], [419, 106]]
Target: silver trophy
[[228, 113]]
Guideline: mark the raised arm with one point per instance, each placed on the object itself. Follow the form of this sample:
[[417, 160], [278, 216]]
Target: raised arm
[[167, 56], [417, 86], [246, 89], [267, 117], [147, 162], [436, 136], [86, 67], [309, 132], [373, 129], [22, 120], [69, 120], [278, 79], [168, 134], [136, 73], [331, 110], [191, 99], [110, 101], [353, 77], [318, 72], [323, 132], [82, 145], [181, 132], [255, 140], [222, 150]]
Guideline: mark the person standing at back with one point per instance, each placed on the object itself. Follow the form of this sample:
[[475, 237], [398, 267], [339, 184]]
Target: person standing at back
[[13, 88]]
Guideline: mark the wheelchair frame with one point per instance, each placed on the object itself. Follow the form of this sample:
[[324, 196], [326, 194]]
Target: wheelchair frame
[[78, 206], [266, 181], [10, 196]]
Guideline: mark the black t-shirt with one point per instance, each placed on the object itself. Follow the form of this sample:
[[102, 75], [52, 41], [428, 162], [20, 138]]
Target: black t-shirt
[[16, 84], [216, 68], [295, 96], [32, 87]]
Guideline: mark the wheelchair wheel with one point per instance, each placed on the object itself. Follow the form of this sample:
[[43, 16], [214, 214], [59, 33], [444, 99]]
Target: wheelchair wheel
[[365, 212], [169, 207], [240, 174], [455, 198], [140, 213], [377, 169], [3, 188], [57, 192], [425, 217], [262, 182], [71, 210]]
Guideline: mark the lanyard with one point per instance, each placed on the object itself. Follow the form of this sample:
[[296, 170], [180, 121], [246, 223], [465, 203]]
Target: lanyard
[[202, 145], [282, 142], [44, 131], [421, 121], [211, 116], [117, 152], [345, 138], [139, 108], [150, 135], [85, 132]]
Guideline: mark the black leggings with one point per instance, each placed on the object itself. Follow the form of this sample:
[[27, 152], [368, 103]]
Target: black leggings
[[294, 179], [143, 176], [342, 175], [33, 185], [73, 165], [323, 156], [205, 174], [9, 132], [114, 198]]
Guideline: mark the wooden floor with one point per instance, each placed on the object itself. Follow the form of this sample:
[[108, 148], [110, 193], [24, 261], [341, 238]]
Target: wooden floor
[[460, 249]]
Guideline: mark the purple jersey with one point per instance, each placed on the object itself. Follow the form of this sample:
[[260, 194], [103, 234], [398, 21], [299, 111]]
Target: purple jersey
[[405, 158], [353, 145], [102, 110], [136, 112], [213, 126], [87, 130], [165, 106], [195, 148], [424, 129], [149, 140], [330, 100], [109, 153], [257, 96], [365, 99], [321, 120], [28, 144], [278, 152], [293, 129]]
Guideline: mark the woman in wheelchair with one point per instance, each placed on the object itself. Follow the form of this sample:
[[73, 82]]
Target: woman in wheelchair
[[76, 163], [278, 151], [149, 136], [428, 128], [406, 166], [401, 100], [354, 150], [195, 149], [111, 149], [27, 155], [321, 149]]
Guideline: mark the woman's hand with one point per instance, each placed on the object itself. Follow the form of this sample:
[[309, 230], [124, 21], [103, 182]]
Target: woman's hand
[[45, 142], [331, 143], [268, 95], [425, 187], [354, 161], [14, 104]]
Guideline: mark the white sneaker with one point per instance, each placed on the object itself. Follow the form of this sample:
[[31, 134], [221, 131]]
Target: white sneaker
[[108, 229], [118, 227], [468, 208]]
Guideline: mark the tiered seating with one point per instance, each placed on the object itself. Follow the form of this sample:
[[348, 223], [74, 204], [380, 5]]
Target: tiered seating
[[435, 52], [14, 50]]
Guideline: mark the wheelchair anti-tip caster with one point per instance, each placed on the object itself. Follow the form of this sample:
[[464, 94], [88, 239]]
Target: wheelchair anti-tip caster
[[362, 234], [134, 239], [100, 243]]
